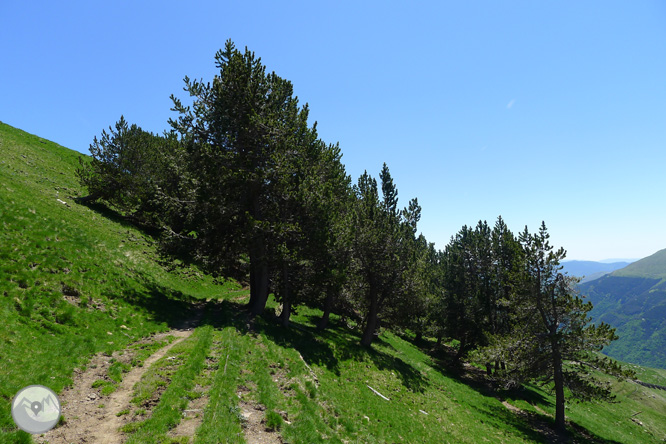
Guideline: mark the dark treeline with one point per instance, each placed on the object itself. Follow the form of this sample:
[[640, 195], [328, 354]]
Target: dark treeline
[[242, 185]]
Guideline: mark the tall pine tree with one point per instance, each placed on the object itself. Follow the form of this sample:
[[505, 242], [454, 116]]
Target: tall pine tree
[[247, 138], [551, 339]]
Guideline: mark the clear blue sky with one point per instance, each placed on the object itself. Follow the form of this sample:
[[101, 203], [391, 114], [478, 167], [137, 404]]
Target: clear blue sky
[[534, 110]]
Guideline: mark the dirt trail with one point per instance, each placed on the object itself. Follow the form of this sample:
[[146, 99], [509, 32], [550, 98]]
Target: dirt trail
[[539, 424], [119, 400], [90, 416], [254, 425], [254, 420]]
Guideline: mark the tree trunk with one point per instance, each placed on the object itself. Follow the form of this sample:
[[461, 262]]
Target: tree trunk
[[258, 278], [253, 283], [258, 260], [328, 307], [370, 326], [462, 348], [286, 313], [558, 379], [286, 297], [262, 290]]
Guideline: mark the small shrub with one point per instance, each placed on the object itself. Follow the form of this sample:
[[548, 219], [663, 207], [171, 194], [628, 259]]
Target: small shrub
[[108, 389], [131, 427], [65, 314], [69, 290], [311, 388], [273, 420]]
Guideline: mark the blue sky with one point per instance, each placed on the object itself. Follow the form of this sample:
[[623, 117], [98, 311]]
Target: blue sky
[[531, 110]]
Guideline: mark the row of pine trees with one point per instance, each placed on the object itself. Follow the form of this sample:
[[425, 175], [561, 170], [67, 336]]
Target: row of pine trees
[[242, 185]]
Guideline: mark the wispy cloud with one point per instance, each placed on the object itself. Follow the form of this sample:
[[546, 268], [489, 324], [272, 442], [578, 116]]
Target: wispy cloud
[[510, 104]]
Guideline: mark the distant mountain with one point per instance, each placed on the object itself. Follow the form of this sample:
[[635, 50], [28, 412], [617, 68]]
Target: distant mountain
[[590, 270], [633, 299], [610, 261]]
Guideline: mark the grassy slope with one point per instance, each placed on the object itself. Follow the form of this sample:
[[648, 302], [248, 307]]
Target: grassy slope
[[71, 277], [73, 281], [428, 402], [653, 266]]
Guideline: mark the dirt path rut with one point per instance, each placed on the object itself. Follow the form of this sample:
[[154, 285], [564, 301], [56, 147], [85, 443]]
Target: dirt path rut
[[90, 416]]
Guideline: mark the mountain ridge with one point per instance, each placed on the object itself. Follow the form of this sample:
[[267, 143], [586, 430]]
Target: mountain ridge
[[590, 270], [653, 266]]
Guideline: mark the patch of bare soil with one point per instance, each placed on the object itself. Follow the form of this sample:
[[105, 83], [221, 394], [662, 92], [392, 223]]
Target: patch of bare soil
[[192, 418], [92, 417], [511, 407], [254, 420], [254, 425], [285, 385]]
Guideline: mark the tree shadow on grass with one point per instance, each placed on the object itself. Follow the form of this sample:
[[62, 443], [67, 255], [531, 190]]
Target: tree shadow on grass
[[337, 344], [538, 427], [584, 435], [331, 347], [114, 216], [165, 256], [502, 419], [327, 348], [162, 304], [534, 426]]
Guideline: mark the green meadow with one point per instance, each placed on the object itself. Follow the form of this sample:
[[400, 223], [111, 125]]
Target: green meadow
[[76, 281]]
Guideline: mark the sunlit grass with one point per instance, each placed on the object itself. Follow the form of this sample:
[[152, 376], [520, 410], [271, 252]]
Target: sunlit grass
[[222, 418], [74, 281]]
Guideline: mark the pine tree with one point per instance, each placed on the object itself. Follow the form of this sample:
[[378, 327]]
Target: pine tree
[[468, 292], [381, 250], [247, 138], [552, 339], [134, 172], [312, 244]]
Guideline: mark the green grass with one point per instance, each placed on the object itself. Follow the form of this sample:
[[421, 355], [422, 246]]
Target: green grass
[[330, 401], [168, 412], [222, 420], [144, 350], [344, 408], [653, 266], [76, 280]]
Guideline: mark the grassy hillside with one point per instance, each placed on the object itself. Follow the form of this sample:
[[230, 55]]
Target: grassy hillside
[[76, 281], [651, 267]]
